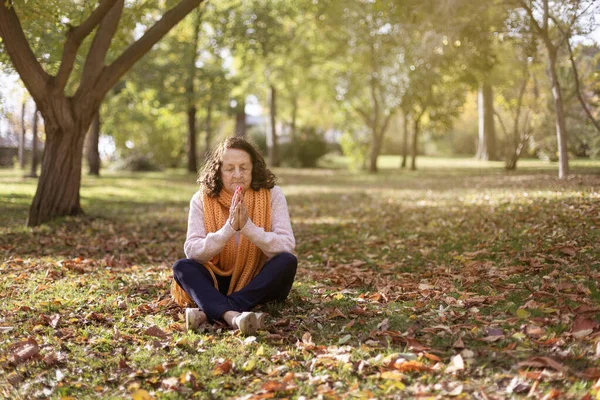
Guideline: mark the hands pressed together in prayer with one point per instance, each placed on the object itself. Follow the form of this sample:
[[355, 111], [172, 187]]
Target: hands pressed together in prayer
[[238, 215]]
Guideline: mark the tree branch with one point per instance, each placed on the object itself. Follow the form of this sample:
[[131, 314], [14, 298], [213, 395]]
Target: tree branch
[[111, 74], [373, 87], [545, 16], [31, 72], [567, 35], [94, 62], [501, 123], [75, 37], [363, 114], [526, 128], [566, 38], [529, 12], [520, 103], [578, 90], [386, 121]]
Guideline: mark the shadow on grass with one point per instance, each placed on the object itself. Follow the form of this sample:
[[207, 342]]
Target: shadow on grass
[[436, 180]]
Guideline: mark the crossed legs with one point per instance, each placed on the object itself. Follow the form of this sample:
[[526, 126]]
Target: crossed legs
[[272, 283]]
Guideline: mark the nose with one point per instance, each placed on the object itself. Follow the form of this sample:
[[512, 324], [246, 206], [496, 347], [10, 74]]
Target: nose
[[237, 172]]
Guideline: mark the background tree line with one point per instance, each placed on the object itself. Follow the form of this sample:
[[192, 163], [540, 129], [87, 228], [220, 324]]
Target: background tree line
[[163, 81]]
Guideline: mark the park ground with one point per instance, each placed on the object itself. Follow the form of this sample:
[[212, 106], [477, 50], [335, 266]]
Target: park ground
[[458, 280]]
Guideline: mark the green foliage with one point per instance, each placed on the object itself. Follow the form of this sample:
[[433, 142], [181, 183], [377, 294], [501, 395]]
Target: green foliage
[[46, 23], [258, 138], [136, 163], [356, 149], [334, 64], [305, 149], [164, 75], [142, 127], [462, 138]]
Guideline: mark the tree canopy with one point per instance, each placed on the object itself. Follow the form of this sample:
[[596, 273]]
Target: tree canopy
[[381, 74]]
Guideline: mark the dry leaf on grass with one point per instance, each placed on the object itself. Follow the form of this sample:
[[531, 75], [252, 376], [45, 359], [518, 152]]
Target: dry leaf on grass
[[156, 332], [543, 362], [384, 325], [170, 383], [583, 327], [458, 344], [413, 344], [392, 375], [456, 364], [25, 350], [141, 394], [412, 366], [223, 368], [307, 338]]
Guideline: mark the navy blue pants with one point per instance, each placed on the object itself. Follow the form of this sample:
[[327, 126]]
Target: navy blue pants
[[272, 283]]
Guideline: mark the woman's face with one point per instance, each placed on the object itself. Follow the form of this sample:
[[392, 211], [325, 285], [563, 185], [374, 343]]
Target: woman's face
[[236, 169]]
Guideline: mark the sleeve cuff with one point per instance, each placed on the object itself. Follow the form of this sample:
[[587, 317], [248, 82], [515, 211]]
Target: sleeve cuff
[[227, 231], [250, 229]]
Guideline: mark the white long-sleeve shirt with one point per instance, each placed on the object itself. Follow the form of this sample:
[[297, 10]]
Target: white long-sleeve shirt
[[202, 246]]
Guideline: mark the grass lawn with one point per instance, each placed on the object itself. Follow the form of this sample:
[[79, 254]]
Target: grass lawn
[[457, 280]]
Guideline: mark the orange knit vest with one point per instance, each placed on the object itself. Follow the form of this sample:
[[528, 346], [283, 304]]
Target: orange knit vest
[[240, 261]]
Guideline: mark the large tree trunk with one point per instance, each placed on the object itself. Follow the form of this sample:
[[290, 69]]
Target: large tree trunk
[[93, 153], [561, 128], [22, 137], [294, 115], [58, 187], [378, 131], [415, 142], [273, 146], [208, 129], [191, 146], [405, 140], [34, 145], [486, 147], [374, 152]]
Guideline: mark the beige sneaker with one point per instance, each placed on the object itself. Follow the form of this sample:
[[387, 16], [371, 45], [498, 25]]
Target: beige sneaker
[[247, 323], [194, 317], [261, 320]]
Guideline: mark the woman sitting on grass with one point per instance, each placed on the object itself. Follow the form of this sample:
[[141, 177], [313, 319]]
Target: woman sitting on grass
[[239, 242]]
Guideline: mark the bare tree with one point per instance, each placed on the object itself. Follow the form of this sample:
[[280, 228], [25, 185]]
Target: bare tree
[[486, 144], [405, 119], [567, 35], [516, 140], [274, 146], [208, 127], [540, 15]]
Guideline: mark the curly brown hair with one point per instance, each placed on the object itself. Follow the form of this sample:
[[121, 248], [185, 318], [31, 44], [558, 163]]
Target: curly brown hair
[[210, 177]]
